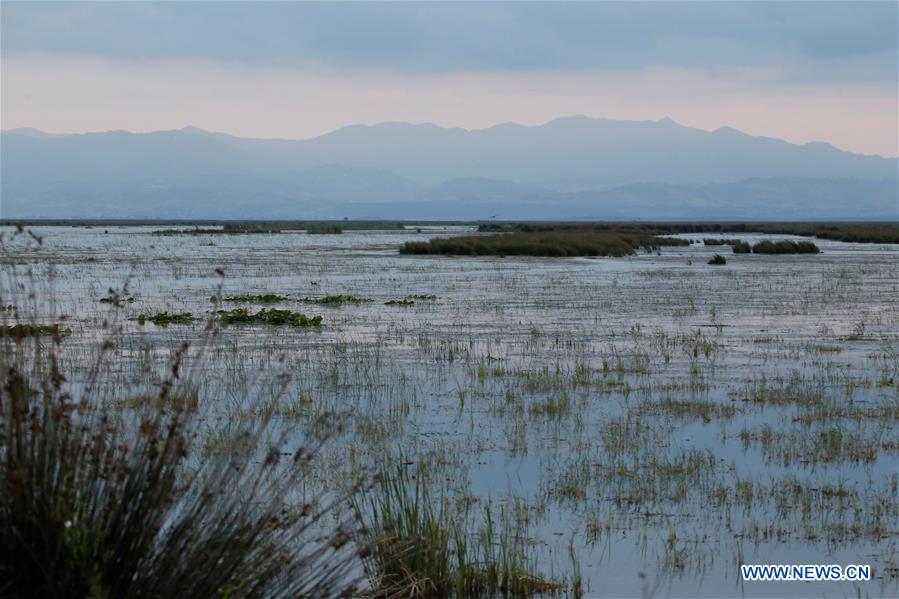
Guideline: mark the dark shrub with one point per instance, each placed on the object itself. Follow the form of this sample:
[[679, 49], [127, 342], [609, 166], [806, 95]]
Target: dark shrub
[[785, 247], [561, 243], [740, 247], [717, 259]]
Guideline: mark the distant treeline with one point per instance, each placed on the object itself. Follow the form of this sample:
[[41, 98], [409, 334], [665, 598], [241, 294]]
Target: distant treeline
[[316, 226], [857, 232]]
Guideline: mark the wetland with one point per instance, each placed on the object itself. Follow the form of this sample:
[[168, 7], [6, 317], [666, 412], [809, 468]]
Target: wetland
[[589, 415]]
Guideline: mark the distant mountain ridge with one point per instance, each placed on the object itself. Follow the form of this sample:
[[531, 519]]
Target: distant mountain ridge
[[568, 161]]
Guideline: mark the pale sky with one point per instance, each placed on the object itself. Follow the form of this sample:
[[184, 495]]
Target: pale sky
[[797, 71]]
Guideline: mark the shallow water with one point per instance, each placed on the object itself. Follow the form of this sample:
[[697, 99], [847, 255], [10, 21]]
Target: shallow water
[[661, 416]]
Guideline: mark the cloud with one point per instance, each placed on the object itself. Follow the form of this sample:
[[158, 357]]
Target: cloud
[[805, 41], [63, 92]]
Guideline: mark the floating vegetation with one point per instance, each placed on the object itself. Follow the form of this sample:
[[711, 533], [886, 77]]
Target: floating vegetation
[[553, 243], [162, 319], [785, 247], [410, 300], [117, 300], [400, 302], [265, 298], [717, 259], [271, 316], [22, 330], [337, 300]]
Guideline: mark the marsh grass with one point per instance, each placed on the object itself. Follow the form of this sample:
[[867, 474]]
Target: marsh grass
[[564, 243], [162, 319], [853, 232], [117, 300], [421, 548], [410, 300], [785, 247], [270, 316], [737, 245], [260, 298], [96, 501], [324, 229], [400, 302], [337, 300], [24, 329]]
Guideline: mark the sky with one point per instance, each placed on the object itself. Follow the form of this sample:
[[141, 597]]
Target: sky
[[803, 71]]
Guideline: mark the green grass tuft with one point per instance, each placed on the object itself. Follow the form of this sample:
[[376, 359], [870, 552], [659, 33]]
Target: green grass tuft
[[270, 316]]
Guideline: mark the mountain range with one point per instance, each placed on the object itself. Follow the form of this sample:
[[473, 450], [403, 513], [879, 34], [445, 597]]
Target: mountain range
[[573, 167]]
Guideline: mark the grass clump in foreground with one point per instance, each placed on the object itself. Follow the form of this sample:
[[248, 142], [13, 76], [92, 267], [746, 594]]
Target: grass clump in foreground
[[98, 502], [785, 247], [553, 243], [162, 319], [271, 316], [419, 550], [337, 300], [717, 260]]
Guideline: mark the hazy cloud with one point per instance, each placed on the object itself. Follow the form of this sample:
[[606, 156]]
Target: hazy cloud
[[801, 71], [796, 38]]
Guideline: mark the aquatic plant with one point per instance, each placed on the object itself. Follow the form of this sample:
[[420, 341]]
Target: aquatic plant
[[410, 300], [421, 550], [24, 329], [740, 247], [271, 316], [98, 502], [162, 319], [336, 300], [400, 302], [116, 300], [264, 298], [737, 245]]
